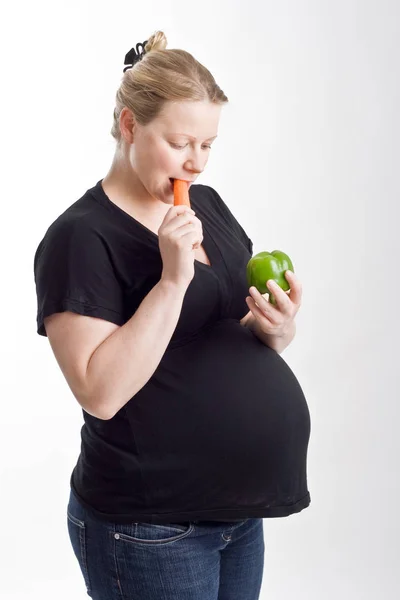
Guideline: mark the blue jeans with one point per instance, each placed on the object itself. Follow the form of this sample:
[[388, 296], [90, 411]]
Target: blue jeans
[[201, 560]]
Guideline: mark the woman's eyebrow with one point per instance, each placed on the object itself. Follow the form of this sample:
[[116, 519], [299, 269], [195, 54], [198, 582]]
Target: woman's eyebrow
[[193, 138]]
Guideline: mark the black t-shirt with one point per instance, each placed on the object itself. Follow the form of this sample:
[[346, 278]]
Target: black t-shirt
[[221, 429]]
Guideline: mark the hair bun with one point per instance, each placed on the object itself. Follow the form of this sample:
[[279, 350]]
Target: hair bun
[[157, 41]]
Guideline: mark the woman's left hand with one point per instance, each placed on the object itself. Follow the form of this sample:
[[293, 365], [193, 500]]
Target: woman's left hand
[[276, 320]]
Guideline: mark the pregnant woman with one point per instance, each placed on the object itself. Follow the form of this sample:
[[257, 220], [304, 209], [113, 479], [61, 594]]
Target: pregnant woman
[[195, 428]]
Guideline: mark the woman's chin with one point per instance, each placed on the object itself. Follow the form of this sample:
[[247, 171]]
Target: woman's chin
[[167, 198]]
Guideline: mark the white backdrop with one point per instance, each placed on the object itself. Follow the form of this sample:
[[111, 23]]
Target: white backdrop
[[307, 159]]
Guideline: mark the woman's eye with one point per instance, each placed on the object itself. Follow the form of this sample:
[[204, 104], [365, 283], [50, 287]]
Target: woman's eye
[[181, 147]]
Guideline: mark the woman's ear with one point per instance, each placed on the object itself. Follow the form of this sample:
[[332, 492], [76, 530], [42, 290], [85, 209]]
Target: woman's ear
[[127, 124]]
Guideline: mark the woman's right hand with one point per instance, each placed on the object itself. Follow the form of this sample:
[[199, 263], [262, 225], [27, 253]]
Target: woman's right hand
[[179, 235]]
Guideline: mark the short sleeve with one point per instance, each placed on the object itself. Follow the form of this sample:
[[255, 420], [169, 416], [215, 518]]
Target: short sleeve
[[226, 213], [73, 271]]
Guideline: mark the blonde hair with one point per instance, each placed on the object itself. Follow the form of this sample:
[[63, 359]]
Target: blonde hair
[[163, 75]]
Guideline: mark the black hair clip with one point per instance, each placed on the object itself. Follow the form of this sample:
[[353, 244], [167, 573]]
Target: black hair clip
[[133, 56]]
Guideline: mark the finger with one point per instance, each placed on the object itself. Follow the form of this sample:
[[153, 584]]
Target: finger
[[267, 309], [259, 314], [175, 211], [283, 301], [296, 290]]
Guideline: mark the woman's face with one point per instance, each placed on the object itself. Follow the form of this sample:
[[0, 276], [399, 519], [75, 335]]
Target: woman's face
[[175, 145]]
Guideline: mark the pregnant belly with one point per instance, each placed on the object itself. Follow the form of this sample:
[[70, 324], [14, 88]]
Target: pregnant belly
[[227, 409]]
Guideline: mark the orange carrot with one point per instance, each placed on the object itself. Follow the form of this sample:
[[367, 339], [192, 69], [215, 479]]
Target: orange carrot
[[181, 192]]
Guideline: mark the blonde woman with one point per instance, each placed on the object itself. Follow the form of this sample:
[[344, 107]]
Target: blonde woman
[[195, 428]]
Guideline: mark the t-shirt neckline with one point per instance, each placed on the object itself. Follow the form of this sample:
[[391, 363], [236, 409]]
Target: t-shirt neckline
[[154, 236]]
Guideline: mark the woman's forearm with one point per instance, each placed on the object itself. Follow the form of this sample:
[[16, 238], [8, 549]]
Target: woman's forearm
[[127, 359]]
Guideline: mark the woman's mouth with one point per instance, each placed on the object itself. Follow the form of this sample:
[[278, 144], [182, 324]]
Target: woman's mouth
[[188, 182], [171, 180]]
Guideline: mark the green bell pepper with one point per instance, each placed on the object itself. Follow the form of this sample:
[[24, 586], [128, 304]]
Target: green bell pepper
[[268, 265]]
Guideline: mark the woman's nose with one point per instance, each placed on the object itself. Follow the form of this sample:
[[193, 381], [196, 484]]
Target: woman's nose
[[196, 162]]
